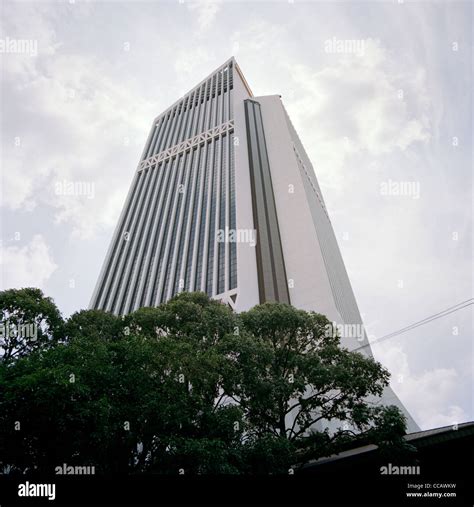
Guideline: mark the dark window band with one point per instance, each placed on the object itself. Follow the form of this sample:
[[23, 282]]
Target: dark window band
[[272, 280]]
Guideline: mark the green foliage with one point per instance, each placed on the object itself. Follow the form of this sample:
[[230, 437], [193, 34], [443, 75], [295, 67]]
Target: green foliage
[[187, 386], [269, 454], [290, 369], [29, 321], [94, 324]]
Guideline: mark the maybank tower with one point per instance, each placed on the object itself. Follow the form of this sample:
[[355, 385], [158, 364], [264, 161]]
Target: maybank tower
[[226, 201]]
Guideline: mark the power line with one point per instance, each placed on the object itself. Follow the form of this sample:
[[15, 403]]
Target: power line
[[426, 320], [431, 317], [420, 323]]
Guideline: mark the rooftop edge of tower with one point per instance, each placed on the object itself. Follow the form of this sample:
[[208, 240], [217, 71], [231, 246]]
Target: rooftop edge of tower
[[218, 69], [241, 75]]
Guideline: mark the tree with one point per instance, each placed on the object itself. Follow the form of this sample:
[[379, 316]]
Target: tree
[[190, 385], [207, 432], [29, 321], [121, 397], [292, 377], [93, 324], [90, 402]]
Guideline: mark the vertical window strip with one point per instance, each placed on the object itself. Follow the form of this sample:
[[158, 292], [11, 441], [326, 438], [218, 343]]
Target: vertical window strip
[[195, 121], [198, 282], [181, 269], [176, 120], [177, 125], [131, 302], [170, 129], [150, 253], [198, 212], [164, 134], [151, 150], [211, 99], [280, 277], [201, 109], [218, 178], [230, 91], [205, 105], [216, 117], [169, 225], [191, 223], [128, 253], [182, 119], [110, 262], [272, 276], [131, 264], [118, 272], [225, 268], [171, 287], [276, 253], [170, 192], [182, 132], [232, 217], [264, 264], [208, 105], [222, 219], [151, 138], [186, 113], [212, 222], [108, 291], [160, 137], [222, 100], [225, 116], [175, 237], [218, 98], [189, 117]]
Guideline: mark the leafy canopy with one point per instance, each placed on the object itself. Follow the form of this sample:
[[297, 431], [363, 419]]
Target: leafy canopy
[[187, 386]]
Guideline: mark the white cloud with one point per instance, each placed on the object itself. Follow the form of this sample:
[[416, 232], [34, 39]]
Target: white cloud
[[27, 266], [98, 133], [16, 192], [206, 12], [360, 106], [190, 60], [429, 395]]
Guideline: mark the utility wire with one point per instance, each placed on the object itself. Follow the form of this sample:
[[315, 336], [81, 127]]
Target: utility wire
[[431, 317], [435, 316]]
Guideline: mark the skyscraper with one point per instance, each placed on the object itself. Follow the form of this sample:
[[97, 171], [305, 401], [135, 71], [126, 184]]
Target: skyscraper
[[226, 201]]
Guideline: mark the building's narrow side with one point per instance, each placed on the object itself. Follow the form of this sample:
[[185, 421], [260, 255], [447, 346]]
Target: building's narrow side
[[317, 277]]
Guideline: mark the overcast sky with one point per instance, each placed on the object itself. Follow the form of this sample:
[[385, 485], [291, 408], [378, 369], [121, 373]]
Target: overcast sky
[[78, 102]]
